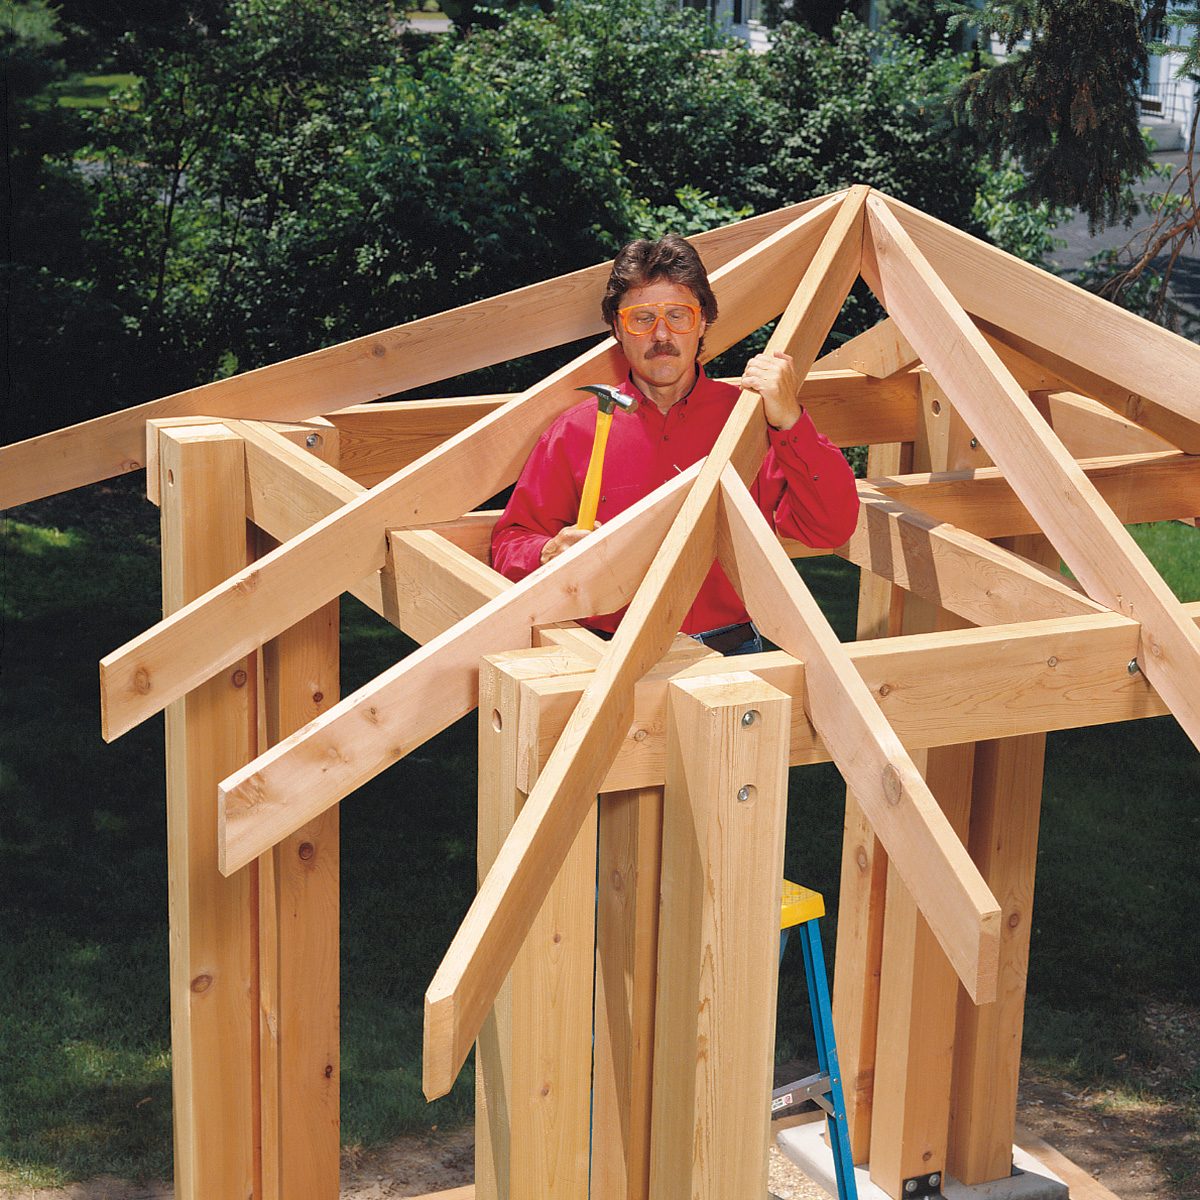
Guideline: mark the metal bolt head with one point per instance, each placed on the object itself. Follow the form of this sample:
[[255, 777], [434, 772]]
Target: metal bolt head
[[313, 439], [743, 793], [1133, 667], [974, 443], [935, 1179], [749, 717], [910, 1186]]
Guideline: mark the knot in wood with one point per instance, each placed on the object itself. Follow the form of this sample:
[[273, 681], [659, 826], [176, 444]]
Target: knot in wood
[[201, 983], [893, 787], [239, 678], [307, 850], [885, 689], [141, 681]]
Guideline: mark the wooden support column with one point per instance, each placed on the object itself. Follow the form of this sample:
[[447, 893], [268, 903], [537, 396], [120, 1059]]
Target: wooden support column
[[534, 1053], [630, 854], [718, 955], [918, 997], [209, 733], [864, 876], [918, 992], [1005, 813], [298, 939]]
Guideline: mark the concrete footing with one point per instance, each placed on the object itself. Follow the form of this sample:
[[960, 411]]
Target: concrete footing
[[805, 1145]]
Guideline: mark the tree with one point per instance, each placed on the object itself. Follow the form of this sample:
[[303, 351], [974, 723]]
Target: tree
[[1066, 106]]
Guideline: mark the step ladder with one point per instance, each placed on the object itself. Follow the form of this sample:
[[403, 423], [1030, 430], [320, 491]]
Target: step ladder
[[803, 908]]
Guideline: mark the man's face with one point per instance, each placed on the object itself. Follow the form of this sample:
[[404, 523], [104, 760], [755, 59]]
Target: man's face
[[660, 357]]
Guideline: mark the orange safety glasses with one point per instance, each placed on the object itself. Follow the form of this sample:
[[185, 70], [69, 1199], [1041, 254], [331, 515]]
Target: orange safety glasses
[[640, 319]]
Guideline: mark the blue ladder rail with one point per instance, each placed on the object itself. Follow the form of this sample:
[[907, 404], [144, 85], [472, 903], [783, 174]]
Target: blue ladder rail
[[802, 909]]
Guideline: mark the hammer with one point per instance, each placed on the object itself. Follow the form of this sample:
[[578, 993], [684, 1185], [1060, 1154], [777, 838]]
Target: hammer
[[609, 401]]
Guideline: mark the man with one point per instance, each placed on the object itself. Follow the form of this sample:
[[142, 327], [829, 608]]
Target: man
[[659, 304]]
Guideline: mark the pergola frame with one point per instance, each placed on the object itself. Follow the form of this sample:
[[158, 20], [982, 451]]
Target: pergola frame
[[1012, 418]]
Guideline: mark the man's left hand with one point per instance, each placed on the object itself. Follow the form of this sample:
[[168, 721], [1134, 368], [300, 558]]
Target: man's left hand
[[773, 377]]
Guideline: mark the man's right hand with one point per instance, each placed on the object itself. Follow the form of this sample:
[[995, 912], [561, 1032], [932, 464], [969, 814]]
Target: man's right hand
[[564, 539]]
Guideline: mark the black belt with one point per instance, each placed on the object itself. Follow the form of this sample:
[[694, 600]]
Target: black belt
[[724, 640]]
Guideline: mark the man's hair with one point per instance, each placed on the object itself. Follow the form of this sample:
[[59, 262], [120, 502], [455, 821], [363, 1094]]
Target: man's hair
[[643, 262]]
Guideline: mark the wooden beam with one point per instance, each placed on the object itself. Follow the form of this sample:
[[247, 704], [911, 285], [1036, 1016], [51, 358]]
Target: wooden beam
[[376, 440], [879, 352], [1097, 548], [366, 368], [488, 939], [165, 662], [434, 686], [533, 1059], [724, 820], [437, 584], [298, 942], [906, 818], [956, 570], [958, 686], [1137, 487], [1046, 312], [214, 1020], [1090, 429], [917, 1000]]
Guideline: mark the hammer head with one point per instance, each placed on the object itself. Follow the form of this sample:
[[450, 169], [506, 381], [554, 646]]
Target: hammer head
[[609, 398]]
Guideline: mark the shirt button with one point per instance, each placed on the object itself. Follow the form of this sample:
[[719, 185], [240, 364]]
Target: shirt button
[[666, 437]]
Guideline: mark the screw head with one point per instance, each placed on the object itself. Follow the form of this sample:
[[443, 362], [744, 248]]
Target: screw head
[[744, 793], [313, 439], [934, 1179], [910, 1186], [1133, 667], [749, 717], [974, 443]]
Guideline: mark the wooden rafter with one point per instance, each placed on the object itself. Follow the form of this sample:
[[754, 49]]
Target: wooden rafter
[[483, 950], [434, 686], [922, 847], [165, 662], [1042, 312], [1094, 544], [366, 368]]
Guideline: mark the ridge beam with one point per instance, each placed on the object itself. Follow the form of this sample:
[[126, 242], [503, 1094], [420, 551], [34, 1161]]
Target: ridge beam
[[1095, 545], [486, 944], [275, 592], [921, 845], [954, 569]]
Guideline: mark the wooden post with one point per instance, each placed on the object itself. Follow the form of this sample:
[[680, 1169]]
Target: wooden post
[[864, 877], [630, 854], [917, 999], [298, 941], [917, 988], [718, 954], [534, 1053], [210, 732], [1005, 811]]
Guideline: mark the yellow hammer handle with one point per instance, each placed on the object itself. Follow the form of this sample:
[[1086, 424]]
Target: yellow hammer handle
[[590, 500]]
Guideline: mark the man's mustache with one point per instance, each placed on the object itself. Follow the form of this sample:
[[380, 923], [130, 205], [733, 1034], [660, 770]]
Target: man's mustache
[[663, 350]]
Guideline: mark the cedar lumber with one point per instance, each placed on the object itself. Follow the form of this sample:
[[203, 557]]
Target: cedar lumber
[[956, 570], [142, 676], [366, 368], [880, 352], [435, 685], [491, 933], [1097, 548], [1040, 312], [961, 685], [920, 844]]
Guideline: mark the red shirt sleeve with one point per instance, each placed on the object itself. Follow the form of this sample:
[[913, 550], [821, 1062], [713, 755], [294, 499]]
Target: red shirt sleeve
[[806, 487], [545, 499]]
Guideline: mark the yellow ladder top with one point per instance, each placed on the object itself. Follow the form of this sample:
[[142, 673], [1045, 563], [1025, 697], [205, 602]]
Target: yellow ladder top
[[799, 904]]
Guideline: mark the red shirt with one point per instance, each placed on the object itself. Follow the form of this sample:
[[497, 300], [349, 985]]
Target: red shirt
[[805, 487]]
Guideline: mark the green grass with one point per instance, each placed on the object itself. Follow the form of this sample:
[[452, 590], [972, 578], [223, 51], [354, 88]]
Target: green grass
[[91, 91], [84, 1019]]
